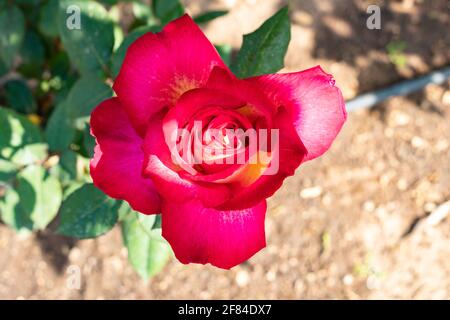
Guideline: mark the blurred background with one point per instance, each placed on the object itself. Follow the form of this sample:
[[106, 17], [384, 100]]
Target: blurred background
[[358, 223]]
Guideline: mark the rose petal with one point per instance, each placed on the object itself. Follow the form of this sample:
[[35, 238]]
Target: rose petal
[[257, 102], [117, 163], [159, 166], [192, 108], [285, 160], [159, 67], [314, 102], [222, 238]]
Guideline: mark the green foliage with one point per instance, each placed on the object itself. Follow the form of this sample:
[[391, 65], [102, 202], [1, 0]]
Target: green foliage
[[89, 47], [60, 131], [263, 50], [3, 68], [32, 54], [144, 14], [19, 97], [71, 169], [73, 113], [48, 18], [396, 53], [87, 213], [210, 15], [167, 10], [148, 252], [225, 52], [88, 142], [20, 140], [84, 96], [12, 26], [8, 171], [31, 200]]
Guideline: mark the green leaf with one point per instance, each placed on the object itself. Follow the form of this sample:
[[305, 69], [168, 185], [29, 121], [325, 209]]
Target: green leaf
[[84, 96], [59, 131], [71, 188], [225, 52], [88, 141], [48, 19], [63, 77], [87, 213], [148, 254], [208, 16], [263, 50], [119, 55], [8, 171], [144, 13], [167, 10], [74, 113], [147, 222], [59, 64], [12, 26], [27, 3], [68, 162], [3, 68], [30, 10], [66, 169], [118, 36], [20, 140], [111, 2], [19, 97], [124, 210], [32, 200], [89, 47], [32, 55]]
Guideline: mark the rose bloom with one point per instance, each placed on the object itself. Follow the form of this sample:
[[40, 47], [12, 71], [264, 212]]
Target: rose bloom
[[212, 211]]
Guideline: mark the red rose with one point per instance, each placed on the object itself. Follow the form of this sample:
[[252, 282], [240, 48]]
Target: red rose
[[184, 137]]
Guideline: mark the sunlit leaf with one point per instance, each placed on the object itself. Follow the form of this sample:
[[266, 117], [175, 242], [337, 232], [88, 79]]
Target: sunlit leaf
[[144, 14], [90, 46], [8, 171], [21, 141], [66, 168], [148, 254], [263, 50], [32, 200]]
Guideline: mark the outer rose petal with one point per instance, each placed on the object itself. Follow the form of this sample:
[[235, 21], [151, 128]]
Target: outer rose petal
[[159, 67], [117, 163], [314, 102], [204, 235]]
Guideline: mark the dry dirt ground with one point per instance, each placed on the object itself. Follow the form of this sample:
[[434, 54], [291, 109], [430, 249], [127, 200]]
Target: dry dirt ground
[[354, 224]]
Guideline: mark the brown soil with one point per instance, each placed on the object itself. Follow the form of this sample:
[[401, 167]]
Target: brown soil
[[353, 224]]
